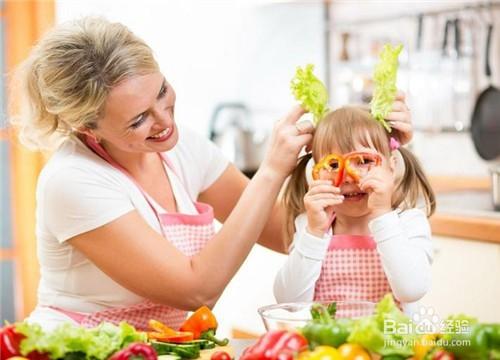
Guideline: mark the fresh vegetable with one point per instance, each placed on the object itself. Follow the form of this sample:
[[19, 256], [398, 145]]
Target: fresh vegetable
[[163, 333], [170, 356], [324, 330], [185, 351], [276, 345], [135, 351], [203, 324], [384, 77], [482, 340], [379, 333], [310, 92], [353, 352], [75, 342], [441, 354], [220, 355], [321, 353], [203, 344], [424, 345]]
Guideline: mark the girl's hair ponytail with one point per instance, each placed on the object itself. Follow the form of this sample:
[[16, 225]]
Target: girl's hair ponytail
[[293, 197], [413, 184]]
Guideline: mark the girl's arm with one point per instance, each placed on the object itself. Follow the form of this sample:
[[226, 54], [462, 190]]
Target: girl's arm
[[405, 248], [297, 278]]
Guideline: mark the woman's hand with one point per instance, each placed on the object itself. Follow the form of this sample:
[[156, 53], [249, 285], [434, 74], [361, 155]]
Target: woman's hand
[[379, 183], [287, 139], [400, 119], [318, 201]]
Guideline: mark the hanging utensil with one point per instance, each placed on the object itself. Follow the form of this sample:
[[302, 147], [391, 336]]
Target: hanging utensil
[[485, 123]]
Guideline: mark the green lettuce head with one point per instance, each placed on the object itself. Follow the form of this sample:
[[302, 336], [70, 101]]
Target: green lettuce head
[[310, 92], [385, 83]]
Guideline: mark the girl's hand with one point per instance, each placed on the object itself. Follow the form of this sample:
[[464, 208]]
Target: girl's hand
[[400, 118], [287, 139], [379, 184], [318, 201]]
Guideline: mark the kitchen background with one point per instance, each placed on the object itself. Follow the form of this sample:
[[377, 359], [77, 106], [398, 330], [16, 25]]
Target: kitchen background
[[231, 62]]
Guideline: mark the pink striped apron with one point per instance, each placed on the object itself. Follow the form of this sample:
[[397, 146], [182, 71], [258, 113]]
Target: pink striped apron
[[188, 233], [352, 270]]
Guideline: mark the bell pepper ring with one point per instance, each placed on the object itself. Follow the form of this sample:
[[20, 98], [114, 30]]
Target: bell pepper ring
[[135, 351], [351, 164]]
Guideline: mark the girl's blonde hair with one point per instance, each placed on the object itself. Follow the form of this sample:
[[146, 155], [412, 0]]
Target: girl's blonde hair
[[64, 82], [342, 129]]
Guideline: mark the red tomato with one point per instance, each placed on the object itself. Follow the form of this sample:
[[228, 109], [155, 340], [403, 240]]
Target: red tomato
[[220, 355], [443, 355]]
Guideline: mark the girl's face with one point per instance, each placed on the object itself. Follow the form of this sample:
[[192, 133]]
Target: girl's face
[[355, 202], [139, 116]]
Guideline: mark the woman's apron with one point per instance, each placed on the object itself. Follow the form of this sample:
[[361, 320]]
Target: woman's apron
[[188, 233], [352, 270]]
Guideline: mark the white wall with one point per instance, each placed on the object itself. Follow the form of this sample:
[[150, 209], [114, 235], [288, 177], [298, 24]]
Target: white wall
[[213, 51]]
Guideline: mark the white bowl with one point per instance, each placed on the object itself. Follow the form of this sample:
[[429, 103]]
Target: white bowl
[[290, 316]]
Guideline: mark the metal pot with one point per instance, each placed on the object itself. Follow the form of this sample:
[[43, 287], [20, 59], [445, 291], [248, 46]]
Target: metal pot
[[233, 130], [495, 186]]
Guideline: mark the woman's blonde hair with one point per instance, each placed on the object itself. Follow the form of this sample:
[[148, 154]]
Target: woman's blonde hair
[[342, 129], [64, 82]]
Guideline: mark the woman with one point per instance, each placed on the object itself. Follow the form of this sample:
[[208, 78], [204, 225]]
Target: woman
[[125, 178]]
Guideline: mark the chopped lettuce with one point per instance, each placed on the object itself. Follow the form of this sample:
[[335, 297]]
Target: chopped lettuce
[[310, 92], [387, 332], [77, 342], [384, 76]]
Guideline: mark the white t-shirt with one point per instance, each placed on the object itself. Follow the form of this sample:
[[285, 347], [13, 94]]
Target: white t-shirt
[[78, 191]]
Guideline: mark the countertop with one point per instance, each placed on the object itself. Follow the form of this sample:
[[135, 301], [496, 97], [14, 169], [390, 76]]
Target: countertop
[[465, 209]]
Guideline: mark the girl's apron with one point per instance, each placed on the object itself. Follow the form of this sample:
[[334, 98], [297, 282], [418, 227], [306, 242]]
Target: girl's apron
[[188, 233], [352, 270]]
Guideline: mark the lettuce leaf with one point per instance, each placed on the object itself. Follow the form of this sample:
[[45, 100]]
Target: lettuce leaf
[[310, 92], [96, 343], [371, 331], [384, 76]]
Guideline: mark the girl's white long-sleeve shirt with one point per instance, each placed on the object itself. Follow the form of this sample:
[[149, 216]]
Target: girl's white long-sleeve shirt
[[403, 241]]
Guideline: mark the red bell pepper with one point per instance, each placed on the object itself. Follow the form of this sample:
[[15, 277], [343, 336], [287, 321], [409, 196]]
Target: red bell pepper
[[276, 345], [10, 343], [134, 351], [203, 324]]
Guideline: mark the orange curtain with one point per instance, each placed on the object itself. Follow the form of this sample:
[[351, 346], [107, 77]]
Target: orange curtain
[[25, 22]]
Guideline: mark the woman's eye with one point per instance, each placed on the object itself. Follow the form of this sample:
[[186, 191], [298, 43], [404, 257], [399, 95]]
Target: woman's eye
[[163, 91], [138, 123]]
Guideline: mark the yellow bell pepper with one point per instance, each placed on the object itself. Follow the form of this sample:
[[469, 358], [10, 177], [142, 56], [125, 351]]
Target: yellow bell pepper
[[423, 345], [321, 353], [353, 352]]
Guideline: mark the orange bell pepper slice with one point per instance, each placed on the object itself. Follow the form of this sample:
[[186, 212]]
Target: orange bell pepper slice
[[163, 333]]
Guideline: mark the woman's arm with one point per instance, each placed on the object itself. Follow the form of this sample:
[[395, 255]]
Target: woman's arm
[[223, 196], [405, 248], [138, 258]]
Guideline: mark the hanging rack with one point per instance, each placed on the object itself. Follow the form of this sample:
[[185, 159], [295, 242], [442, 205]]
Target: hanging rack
[[490, 5]]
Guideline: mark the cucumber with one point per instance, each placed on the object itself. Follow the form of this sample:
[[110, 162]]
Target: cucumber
[[169, 356], [203, 344], [185, 351]]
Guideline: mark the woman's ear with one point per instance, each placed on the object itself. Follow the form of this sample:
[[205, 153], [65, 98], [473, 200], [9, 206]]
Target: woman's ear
[[88, 132]]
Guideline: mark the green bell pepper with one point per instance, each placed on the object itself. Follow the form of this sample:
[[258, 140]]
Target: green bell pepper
[[481, 342], [324, 329]]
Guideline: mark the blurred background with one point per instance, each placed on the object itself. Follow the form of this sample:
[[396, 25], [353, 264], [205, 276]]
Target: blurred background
[[231, 62]]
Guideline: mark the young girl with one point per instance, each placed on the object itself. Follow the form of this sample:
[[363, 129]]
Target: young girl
[[355, 231]]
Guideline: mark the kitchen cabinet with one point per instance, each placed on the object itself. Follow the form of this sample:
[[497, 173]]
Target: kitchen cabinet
[[466, 279]]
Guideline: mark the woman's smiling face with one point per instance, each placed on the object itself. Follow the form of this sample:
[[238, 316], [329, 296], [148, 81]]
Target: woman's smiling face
[[139, 116]]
